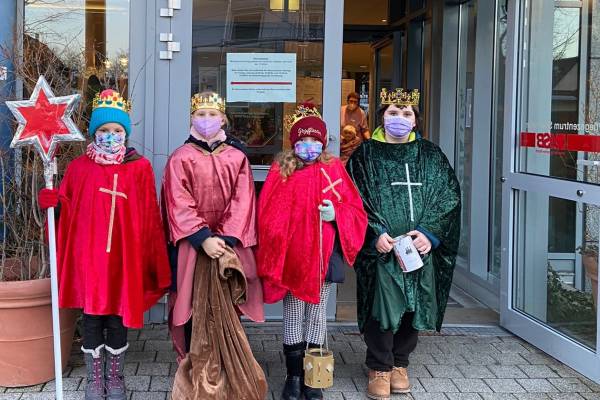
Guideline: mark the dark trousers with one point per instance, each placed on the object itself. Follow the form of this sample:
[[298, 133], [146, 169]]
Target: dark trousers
[[187, 331], [386, 349], [93, 331]]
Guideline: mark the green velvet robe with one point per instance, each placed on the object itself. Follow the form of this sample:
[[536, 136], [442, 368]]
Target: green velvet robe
[[384, 291]]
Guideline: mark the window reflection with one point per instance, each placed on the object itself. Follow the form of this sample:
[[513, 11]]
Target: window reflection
[[543, 287], [385, 72], [464, 124], [79, 45], [562, 86], [253, 26]]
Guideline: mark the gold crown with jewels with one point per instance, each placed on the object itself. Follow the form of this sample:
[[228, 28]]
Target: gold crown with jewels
[[302, 111], [110, 98], [212, 101], [400, 97]]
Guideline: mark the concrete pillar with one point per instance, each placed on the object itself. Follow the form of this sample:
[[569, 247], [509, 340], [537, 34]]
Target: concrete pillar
[[8, 16]]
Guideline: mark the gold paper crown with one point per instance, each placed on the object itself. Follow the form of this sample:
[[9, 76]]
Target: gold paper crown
[[212, 101], [400, 97], [302, 111], [110, 99]]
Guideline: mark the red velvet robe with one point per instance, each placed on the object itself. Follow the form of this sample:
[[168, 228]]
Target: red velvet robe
[[288, 228], [132, 274]]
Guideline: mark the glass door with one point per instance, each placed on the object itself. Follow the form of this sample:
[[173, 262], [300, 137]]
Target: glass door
[[479, 77], [264, 57], [222, 32], [551, 180]]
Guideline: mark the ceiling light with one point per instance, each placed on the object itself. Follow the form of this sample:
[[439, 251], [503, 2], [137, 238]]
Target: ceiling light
[[279, 5]]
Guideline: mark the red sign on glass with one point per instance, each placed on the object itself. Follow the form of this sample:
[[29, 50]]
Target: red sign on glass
[[561, 141]]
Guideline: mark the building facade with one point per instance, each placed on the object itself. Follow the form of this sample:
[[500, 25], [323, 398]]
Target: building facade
[[508, 92]]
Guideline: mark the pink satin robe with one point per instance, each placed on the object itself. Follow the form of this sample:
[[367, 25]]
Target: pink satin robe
[[215, 190]]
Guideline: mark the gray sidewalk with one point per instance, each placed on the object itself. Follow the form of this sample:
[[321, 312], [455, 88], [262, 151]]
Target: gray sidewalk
[[460, 364]]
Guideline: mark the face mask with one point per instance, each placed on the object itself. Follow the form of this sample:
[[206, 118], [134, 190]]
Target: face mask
[[397, 126], [110, 142], [308, 151], [207, 126]]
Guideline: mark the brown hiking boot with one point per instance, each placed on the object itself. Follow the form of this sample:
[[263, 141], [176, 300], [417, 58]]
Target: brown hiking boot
[[399, 380], [379, 385]]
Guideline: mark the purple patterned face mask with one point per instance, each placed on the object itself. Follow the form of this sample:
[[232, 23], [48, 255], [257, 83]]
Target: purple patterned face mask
[[207, 126], [397, 126], [110, 142], [308, 151]]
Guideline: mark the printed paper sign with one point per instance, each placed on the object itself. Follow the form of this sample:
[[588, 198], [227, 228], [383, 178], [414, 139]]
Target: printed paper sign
[[261, 77]]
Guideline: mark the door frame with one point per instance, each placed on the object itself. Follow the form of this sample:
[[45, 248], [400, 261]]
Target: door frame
[[545, 338]]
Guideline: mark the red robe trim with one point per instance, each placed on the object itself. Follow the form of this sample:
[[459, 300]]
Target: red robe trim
[[112, 254], [288, 228]]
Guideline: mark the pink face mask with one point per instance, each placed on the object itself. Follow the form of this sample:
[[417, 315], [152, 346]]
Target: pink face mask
[[207, 126]]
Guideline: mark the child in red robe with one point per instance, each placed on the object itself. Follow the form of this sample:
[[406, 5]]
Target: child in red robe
[[310, 220], [112, 258]]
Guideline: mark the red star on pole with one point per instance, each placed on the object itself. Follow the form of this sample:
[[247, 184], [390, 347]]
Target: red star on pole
[[44, 120]]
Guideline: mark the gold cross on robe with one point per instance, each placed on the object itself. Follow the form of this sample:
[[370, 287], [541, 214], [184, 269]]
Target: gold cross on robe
[[113, 193], [332, 185]]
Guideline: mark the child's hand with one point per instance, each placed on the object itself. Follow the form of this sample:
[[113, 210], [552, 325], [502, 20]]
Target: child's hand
[[421, 242], [214, 247], [385, 243], [327, 211]]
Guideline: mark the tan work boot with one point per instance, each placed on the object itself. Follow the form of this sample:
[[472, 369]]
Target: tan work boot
[[399, 380], [379, 385]]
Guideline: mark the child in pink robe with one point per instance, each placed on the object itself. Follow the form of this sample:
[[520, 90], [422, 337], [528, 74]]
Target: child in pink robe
[[208, 203]]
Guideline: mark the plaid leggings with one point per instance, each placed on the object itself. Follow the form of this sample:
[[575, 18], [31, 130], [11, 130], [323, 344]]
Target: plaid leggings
[[305, 322]]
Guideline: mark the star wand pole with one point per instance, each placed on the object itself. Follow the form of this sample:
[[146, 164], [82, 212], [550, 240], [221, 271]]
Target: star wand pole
[[44, 122], [49, 169]]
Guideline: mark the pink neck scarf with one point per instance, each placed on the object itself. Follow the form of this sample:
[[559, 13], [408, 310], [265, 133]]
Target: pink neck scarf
[[99, 156]]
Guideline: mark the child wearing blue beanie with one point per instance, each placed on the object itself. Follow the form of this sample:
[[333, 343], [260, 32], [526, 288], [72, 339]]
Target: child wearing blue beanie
[[112, 255], [110, 126]]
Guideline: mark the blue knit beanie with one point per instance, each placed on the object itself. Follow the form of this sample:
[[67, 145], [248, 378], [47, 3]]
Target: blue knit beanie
[[108, 107]]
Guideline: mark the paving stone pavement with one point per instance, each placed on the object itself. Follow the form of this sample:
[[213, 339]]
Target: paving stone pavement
[[461, 363]]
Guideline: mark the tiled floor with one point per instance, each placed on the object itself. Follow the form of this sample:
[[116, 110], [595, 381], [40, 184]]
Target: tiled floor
[[463, 363]]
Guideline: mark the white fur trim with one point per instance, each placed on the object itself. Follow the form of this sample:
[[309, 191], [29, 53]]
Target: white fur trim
[[94, 352], [117, 351]]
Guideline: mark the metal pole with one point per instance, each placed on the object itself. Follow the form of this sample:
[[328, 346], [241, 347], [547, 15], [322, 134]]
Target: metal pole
[[48, 175]]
